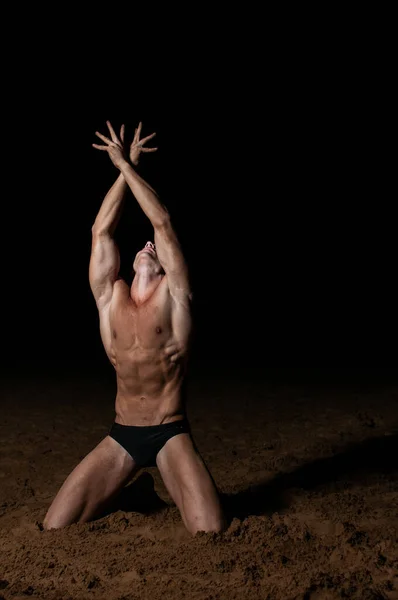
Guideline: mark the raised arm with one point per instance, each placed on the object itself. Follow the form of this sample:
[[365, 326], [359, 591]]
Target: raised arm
[[105, 259], [167, 245]]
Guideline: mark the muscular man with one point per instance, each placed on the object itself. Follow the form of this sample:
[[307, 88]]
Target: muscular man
[[146, 331]]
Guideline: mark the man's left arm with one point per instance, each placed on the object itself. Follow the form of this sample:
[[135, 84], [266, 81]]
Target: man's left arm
[[168, 247]]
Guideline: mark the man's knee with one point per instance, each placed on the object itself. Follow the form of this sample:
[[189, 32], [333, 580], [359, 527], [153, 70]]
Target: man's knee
[[57, 519], [214, 525], [49, 523]]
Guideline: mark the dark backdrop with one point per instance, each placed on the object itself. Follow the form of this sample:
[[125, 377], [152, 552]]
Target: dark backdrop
[[276, 181]]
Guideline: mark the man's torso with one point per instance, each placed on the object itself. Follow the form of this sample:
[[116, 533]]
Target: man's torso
[[149, 361]]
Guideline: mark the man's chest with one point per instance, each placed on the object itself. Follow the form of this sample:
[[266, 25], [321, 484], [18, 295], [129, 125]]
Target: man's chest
[[148, 326]]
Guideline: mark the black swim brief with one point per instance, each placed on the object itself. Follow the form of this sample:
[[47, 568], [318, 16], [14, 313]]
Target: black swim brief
[[144, 443]]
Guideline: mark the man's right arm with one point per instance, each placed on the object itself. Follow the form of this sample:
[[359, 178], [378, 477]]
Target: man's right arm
[[105, 259]]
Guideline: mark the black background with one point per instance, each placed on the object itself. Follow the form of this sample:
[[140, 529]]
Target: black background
[[273, 168]]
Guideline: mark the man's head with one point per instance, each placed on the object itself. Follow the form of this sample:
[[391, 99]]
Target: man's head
[[146, 260]]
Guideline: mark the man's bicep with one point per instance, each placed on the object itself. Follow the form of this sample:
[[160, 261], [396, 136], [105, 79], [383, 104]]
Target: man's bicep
[[104, 267]]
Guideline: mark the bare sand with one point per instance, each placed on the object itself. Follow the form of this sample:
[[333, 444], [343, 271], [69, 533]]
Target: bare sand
[[308, 476]]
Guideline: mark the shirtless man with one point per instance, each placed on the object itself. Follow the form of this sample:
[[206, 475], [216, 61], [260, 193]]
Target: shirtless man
[[146, 331]]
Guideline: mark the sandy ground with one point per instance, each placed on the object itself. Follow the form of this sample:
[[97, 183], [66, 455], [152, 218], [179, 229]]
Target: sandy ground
[[308, 477]]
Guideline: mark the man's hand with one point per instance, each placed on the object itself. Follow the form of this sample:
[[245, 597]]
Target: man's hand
[[115, 149], [137, 145], [114, 146]]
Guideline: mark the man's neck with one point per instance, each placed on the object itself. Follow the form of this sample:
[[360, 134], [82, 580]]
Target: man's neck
[[144, 284]]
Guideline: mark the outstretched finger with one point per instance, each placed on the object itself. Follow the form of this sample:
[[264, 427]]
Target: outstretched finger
[[138, 132], [112, 132], [147, 138], [99, 147], [122, 133], [148, 149], [103, 137]]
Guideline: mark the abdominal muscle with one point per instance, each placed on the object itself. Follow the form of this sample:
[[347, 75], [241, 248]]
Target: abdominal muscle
[[149, 388]]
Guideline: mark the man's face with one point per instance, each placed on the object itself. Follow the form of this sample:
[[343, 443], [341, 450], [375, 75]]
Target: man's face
[[147, 256]]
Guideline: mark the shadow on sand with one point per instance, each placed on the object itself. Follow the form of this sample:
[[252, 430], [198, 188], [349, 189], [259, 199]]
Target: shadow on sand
[[377, 455], [139, 496]]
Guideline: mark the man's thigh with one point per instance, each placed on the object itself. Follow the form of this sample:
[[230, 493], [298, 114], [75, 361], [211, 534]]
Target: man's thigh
[[190, 484], [94, 482]]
